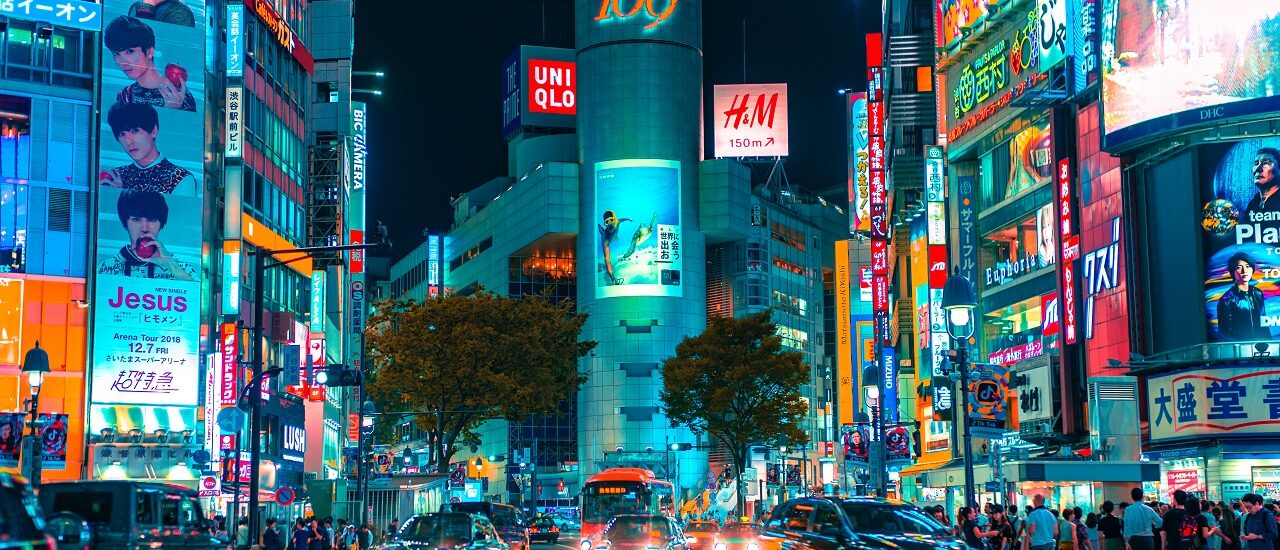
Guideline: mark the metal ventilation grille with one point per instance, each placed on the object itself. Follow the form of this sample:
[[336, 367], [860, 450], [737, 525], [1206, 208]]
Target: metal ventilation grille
[[1110, 391]]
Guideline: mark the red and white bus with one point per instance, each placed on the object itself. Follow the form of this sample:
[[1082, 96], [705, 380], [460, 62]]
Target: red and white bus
[[622, 491]]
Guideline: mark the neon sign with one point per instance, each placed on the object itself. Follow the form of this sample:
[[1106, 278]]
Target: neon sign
[[998, 69], [610, 9], [284, 35]]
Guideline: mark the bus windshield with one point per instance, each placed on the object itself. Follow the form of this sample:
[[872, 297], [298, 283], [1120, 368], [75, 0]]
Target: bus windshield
[[605, 499]]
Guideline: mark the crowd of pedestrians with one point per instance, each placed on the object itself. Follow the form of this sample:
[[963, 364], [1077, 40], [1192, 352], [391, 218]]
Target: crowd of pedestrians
[[1187, 523], [306, 534]]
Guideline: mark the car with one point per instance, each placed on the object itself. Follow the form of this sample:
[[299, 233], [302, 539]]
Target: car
[[566, 523], [505, 518], [736, 536], [127, 514], [701, 535], [22, 525], [544, 529], [641, 532], [447, 530], [847, 523]]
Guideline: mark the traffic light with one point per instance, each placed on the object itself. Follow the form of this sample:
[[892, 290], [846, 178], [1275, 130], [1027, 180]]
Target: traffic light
[[680, 446], [342, 376]]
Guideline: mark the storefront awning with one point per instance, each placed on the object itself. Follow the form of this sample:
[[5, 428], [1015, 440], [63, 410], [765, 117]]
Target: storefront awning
[[1082, 471], [921, 468]]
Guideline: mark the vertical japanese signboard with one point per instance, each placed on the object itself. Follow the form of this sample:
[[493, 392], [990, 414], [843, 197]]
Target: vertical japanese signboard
[[1070, 252], [859, 184], [936, 220], [151, 217], [235, 40], [434, 276], [356, 179], [844, 335], [234, 122], [317, 300]]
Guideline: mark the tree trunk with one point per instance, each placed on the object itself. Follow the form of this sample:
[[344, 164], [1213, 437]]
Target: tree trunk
[[739, 458]]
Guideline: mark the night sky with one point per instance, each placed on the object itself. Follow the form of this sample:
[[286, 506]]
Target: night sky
[[436, 130]]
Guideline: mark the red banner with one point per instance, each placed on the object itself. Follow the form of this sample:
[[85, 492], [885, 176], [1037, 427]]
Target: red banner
[[937, 265], [879, 257], [230, 338]]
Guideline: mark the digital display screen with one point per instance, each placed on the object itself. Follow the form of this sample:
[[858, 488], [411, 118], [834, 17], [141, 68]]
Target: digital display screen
[[1241, 224], [151, 210], [639, 248], [1171, 65]]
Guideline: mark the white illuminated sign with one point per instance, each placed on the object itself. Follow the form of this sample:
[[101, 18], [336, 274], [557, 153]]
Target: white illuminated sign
[[750, 120]]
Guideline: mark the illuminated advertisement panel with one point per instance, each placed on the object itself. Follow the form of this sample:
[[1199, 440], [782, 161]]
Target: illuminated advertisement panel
[[76, 14], [750, 120], [539, 89], [989, 78], [638, 242], [844, 333], [859, 185], [1213, 402], [235, 40], [1241, 226], [1105, 315], [957, 15], [151, 215], [1202, 65]]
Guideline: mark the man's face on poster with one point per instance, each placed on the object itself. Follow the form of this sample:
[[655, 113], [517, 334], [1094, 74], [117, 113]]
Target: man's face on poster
[[138, 143], [140, 227], [1264, 171], [1241, 273], [135, 61]]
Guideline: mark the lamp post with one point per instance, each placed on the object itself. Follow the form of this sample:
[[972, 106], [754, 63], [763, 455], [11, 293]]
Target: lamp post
[[871, 383], [35, 365], [959, 302]]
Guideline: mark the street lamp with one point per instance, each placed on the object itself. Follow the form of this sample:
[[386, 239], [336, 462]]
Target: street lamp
[[871, 381], [35, 365], [959, 302]]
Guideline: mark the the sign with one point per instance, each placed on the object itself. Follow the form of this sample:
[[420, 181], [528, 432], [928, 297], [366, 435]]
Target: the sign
[[1069, 326], [552, 87], [897, 442], [991, 77], [954, 17], [845, 379], [1035, 397], [434, 275], [1183, 480], [1064, 205], [210, 485], [284, 35], [316, 351], [234, 122], [1087, 47], [357, 255], [150, 223], [988, 407], [967, 223], [235, 40], [936, 213], [317, 301], [864, 283], [293, 442], [512, 106], [75, 14], [1201, 80], [880, 293], [357, 307], [934, 186], [1051, 32], [1016, 354], [889, 385], [639, 249], [859, 164], [1241, 241], [230, 353], [937, 266], [231, 277], [1214, 402], [652, 12], [750, 120], [1050, 316], [285, 496]]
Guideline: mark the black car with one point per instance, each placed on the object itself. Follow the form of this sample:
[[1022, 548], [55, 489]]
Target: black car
[[449, 530], [127, 514], [544, 529], [830, 523], [641, 532], [21, 523]]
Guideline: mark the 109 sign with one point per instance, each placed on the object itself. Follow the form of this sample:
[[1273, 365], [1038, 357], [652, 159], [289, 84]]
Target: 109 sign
[[611, 8]]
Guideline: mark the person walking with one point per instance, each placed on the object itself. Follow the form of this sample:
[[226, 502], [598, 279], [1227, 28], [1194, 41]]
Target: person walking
[[1110, 531], [1042, 529], [1067, 539], [301, 538], [1091, 531], [974, 536], [242, 534], [1260, 530], [1179, 527], [271, 539], [1140, 522], [364, 537]]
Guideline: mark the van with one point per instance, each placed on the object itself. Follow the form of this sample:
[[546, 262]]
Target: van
[[126, 515], [505, 517]]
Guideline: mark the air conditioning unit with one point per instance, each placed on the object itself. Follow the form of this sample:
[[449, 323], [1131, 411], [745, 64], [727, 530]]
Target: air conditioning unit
[[1113, 417]]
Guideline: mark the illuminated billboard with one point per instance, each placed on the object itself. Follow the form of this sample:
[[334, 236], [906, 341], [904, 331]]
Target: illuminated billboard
[[1241, 224], [638, 244], [859, 164], [539, 89], [1213, 402], [150, 208], [1190, 63], [750, 120]]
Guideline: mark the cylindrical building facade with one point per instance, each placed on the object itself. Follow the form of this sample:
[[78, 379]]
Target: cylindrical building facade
[[641, 253]]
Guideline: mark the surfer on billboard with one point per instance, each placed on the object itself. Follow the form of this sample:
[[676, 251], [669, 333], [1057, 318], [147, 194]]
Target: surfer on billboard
[[608, 234]]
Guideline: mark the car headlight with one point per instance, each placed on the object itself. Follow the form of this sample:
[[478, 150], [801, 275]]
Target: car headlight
[[753, 546], [721, 546], [585, 545], [691, 539]]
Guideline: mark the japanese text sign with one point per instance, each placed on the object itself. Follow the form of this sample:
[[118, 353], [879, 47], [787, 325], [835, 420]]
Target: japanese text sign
[[230, 342], [235, 121], [76, 14], [235, 40], [1216, 402]]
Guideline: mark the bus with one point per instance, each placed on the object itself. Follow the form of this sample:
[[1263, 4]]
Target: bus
[[622, 491]]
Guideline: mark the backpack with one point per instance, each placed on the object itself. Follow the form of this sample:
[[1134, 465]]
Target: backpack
[[1190, 532]]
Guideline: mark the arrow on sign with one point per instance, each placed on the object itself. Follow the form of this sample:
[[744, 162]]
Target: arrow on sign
[[768, 143]]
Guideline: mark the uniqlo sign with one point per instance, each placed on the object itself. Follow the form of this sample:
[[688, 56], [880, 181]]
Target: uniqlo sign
[[230, 339], [552, 87]]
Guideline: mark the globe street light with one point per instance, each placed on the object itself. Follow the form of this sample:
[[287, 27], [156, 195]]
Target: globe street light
[[959, 302], [35, 365]]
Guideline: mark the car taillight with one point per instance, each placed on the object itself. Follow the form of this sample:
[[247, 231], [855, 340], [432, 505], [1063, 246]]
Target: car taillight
[[555, 529]]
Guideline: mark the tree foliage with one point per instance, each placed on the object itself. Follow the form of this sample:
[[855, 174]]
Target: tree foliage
[[462, 360], [735, 383]]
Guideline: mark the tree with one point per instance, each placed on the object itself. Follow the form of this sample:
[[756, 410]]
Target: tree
[[735, 383], [461, 360]]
